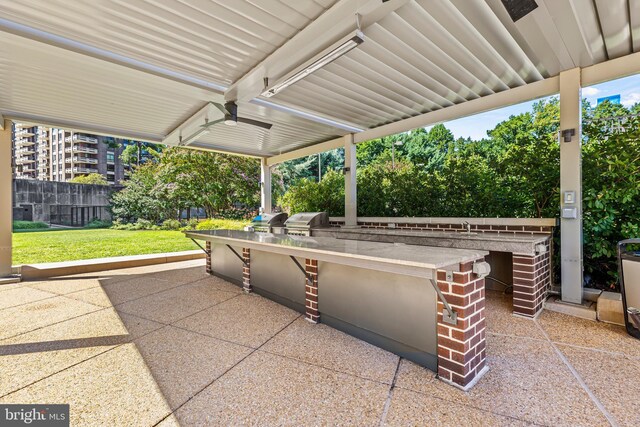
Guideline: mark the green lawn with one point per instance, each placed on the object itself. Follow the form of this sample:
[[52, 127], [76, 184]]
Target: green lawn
[[67, 245]]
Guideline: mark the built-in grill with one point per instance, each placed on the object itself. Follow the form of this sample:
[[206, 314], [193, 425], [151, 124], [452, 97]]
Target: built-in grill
[[269, 223], [301, 224]]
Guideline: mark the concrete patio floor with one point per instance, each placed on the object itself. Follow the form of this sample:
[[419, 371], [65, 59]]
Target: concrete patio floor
[[168, 345]]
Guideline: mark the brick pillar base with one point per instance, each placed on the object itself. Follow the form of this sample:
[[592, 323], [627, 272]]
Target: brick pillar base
[[208, 264], [311, 286], [246, 270], [531, 278], [462, 347]]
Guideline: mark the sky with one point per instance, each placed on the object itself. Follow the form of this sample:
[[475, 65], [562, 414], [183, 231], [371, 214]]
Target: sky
[[477, 126]]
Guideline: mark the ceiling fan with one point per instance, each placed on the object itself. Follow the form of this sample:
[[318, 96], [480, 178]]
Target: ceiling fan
[[230, 111]]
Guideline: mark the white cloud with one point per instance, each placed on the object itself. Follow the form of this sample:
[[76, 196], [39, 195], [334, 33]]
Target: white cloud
[[590, 91], [630, 99]]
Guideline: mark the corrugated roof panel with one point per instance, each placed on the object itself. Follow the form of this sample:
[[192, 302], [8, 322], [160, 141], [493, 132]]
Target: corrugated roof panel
[[216, 40], [614, 21]]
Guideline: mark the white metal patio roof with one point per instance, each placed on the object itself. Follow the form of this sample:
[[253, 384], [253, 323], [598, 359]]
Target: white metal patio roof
[[140, 68]]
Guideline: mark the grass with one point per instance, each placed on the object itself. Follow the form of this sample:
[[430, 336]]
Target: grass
[[29, 225], [69, 245]]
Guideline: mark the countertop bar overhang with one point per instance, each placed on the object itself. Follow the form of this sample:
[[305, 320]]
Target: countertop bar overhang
[[410, 260]]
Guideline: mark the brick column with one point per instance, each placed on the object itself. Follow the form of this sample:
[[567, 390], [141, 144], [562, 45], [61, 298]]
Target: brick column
[[461, 347], [311, 286], [531, 277], [246, 270], [208, 264]]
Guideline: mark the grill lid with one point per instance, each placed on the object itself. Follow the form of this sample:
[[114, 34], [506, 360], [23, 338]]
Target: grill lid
[[270, 220], [308, 220]]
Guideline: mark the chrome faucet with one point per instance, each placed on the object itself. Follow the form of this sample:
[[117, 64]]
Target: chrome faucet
[[467, 225]]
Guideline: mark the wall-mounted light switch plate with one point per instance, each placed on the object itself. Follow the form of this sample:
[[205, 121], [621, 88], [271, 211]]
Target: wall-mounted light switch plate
[[569, 197]]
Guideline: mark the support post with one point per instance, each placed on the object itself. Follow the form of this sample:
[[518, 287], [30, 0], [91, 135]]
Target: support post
[[265, 186], [350, 184], [6, 210], [571, 185], [462, 343]]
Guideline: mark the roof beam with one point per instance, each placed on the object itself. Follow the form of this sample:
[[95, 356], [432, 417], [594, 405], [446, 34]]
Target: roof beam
[[82, 127], [505, 98], [610, 70], [307, 151]]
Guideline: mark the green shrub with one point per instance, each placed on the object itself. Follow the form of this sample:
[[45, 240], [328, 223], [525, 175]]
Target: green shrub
[[226, 224], [171, 224], [29, 225], [142, 224], [192, 224], [98, 223]]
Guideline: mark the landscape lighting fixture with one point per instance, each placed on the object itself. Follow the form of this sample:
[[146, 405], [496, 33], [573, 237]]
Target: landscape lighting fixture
[[344, 47]]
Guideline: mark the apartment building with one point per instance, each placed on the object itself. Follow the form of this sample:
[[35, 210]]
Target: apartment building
[[74, 153], [52, 154], [31, 152]]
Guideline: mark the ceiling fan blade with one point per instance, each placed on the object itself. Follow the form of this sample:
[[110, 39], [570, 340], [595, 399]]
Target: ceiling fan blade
[[252, 122], [220, 107], [209, 124]]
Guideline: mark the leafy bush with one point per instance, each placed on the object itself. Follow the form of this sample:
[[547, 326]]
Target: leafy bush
[[308, 195], [171, 224], [192, 224], [29, 225], [92, 178], [142, 224], [97, 223], [226, 224]]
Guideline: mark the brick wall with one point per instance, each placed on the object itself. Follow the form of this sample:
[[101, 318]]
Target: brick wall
[[531, 278], [246, 270], [208, 264], [462, 346], [311, 291]]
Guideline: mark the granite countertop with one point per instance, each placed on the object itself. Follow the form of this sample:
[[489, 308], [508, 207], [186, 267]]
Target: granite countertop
[[487, 236], [331, 248]]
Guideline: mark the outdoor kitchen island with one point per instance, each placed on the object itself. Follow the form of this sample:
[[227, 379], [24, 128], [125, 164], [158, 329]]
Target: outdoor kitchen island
[[423, 303]]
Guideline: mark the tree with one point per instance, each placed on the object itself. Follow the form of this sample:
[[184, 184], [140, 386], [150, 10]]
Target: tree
[[213, 181], [429, 148], [92, 178], [139, 200], [138, 152], [530, 162]]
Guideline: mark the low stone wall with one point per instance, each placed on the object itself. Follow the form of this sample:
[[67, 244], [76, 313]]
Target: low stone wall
[[60, 202]]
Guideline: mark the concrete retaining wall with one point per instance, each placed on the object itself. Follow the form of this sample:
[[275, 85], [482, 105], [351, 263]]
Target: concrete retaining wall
[[60, 202]]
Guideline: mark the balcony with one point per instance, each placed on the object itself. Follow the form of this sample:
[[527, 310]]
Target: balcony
[[24, 133], [82, 159], [81, 149], [23, 142], [82, 138], [24, 161], [27, 151], [81, 170]]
